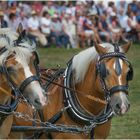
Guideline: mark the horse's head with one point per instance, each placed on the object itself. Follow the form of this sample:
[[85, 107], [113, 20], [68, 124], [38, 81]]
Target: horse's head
[[115, 71], [21, 70]]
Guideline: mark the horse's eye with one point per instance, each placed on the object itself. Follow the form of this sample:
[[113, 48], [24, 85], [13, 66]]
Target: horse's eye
[[10, 69], [129, 76]]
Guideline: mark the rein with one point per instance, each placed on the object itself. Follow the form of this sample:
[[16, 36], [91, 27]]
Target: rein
[[89, 96]]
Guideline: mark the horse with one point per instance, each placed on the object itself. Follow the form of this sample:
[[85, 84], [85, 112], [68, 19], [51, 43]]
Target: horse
[[93, 89], [18, 76]]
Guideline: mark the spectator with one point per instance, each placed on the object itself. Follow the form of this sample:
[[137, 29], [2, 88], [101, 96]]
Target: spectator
[[33, 29], [111, 8], [45, 23], [23, 20], [3, 23], [71, 12], [103, 28], [115, 28], [26, 8], [100, 8], [89, 28], [49, 7], [70, 28], [132, 24], [122, 7], [134, 6], [12, 21], [37, 7], [57, 32]]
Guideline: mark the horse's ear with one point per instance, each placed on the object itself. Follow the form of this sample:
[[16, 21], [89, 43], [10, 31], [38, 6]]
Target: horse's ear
[[23, 33], [126, 47], [20, 28], [100, 49]]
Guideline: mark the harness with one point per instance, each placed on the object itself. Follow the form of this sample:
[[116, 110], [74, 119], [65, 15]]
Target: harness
[[75, 111]]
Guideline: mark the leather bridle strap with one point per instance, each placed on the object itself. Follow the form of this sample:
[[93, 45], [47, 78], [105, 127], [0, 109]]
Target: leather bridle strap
[[89, 96], [123, 88], [2, 50], [27, 82]]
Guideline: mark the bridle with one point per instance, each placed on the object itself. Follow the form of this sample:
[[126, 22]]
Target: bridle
[[102, 71], [17, 92]]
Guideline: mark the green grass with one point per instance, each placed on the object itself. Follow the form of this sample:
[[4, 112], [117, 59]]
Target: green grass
[[126, 127]]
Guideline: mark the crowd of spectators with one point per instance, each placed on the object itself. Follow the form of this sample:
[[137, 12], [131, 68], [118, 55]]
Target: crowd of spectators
[[73, 23]]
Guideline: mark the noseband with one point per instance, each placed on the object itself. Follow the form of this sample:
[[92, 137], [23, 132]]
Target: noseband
[[102, 71]]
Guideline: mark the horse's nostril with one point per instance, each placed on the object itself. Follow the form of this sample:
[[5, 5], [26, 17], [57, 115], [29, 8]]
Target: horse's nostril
[[37, 101], [118, 106]]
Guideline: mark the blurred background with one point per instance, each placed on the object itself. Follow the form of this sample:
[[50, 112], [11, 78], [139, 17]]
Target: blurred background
[[74, 24]]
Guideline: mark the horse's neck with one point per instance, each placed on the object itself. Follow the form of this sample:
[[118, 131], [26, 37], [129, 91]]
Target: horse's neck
[[90, 86], [55, 100]]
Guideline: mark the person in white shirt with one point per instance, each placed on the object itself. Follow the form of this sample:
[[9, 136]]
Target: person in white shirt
[[23, 20], [33, 29], [45, 23], [69, 27], [12, 23]]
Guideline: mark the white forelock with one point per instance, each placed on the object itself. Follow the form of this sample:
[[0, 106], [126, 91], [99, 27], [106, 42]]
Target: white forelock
[[21, 52], [10, 34], [13, 36], [82, 60]]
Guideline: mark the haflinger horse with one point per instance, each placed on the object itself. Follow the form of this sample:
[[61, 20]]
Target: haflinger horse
[[18, 76], [93, 89]]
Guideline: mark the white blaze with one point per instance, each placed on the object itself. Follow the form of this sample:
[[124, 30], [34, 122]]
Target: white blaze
[[34, 85], [114, 66]]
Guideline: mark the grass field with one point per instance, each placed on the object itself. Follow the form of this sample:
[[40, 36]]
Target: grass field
[[125, 127]]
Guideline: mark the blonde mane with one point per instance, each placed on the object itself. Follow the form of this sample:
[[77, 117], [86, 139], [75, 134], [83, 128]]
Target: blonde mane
[[23, 50], [82, 60]]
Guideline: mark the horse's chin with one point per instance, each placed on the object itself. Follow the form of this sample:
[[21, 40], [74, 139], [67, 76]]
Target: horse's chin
[[120, 104]]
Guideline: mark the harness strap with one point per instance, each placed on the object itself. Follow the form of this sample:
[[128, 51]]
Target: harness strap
[[89, 96], [2, 118], [56, 117], [41, 115], [92, 133], [56, 75], [27, 81], [2, 50], [119, 88], [36, 134]]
